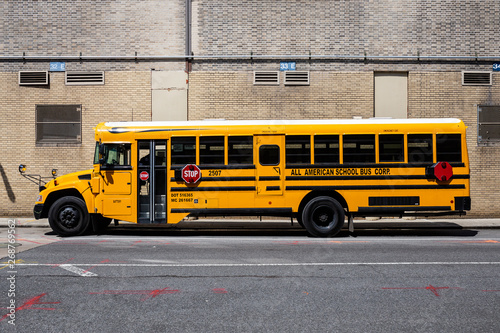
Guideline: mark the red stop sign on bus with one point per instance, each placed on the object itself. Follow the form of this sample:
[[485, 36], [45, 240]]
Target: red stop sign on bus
[[191, 173], [144, 175]]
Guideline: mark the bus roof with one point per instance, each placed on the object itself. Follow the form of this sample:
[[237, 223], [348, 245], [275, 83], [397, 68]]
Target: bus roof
[[370, 121]]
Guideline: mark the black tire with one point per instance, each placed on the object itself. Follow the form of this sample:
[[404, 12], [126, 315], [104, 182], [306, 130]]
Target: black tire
[[323, 216], [68, 216]]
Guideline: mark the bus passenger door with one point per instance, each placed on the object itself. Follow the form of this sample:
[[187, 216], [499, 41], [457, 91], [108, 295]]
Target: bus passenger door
[[270, 164], [152, 181], [116, 178]]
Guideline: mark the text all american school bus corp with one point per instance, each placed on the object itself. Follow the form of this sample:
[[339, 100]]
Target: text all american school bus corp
[[317, 171]]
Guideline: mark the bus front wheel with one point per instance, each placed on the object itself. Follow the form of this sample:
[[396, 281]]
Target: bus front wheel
[[68, 216], [323, 216]]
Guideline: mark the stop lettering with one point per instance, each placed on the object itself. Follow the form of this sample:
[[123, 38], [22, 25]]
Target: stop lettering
[[191, 173]]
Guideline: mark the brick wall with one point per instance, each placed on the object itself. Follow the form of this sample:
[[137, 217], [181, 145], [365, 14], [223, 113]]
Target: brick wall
[[232, 95], [354, 27], [125, 96], [442, 95], [93, 28]]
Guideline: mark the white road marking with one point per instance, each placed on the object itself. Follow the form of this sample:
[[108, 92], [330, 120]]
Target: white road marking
[[82, 272], [74, 269]]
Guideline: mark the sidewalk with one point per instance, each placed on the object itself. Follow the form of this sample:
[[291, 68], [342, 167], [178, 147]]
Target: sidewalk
[[252, 222]]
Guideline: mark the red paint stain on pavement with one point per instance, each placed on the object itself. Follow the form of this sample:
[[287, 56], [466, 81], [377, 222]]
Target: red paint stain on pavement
[[220, 290], [57, 265], [147, 293], [434, 290], [28, 305], [104, 262]]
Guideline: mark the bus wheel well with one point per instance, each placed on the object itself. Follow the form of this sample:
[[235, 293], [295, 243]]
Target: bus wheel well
[[55, 196], [313, 194]]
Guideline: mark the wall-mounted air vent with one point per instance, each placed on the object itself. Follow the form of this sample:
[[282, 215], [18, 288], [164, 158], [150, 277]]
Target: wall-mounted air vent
[[266, 77], [40, 78], [476, 78], [84, 78], [296, 78]]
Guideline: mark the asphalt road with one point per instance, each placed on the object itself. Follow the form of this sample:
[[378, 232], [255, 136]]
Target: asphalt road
[[439, 280]]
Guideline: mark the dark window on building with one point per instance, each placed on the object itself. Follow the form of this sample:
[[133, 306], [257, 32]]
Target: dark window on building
[[58, 124], [269, 155], [419, 149], [359, 148], [488, 121], [240, 150], [298, 149], [183, 150], [449, 147], [391, 148], [212, 150], [326, 149]]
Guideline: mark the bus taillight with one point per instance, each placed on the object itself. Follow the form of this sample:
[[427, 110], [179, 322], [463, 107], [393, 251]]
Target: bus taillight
[[442, 171]]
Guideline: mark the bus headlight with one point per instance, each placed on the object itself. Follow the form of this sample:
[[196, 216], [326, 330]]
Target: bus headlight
[[40, 198]]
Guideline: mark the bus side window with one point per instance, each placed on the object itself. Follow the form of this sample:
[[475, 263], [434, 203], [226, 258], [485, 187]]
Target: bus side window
[[269, 155], [359, 148], [183, 150], [419, 149], [240, 150], [298, 149], [391, 148], [449, 147], [326, 149], [211, 150]]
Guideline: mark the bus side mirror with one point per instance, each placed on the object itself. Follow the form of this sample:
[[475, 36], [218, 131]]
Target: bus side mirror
[[102, 154]]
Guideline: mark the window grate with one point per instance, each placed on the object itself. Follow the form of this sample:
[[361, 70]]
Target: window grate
[[488, 119], [39, 78], [296, 78], [58, 124], [84, 78], [266, 78], [476, 78]]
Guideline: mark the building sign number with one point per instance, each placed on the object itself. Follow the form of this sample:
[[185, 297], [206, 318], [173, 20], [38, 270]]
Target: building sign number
[[287, 66]]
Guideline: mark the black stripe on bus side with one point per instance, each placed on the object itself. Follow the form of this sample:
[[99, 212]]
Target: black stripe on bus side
[[212, 189], [218, 167], [374, 187], [367, 165], [221, 179], [394, 201], [236, 211], [401, 209], [367, 177], [266, 178], [273, 188]]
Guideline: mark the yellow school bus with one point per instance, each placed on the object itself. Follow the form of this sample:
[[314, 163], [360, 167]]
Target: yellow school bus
[[319, 172]]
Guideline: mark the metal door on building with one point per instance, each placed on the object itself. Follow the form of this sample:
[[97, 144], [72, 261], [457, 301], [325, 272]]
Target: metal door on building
[[391, 94], [152, 181]]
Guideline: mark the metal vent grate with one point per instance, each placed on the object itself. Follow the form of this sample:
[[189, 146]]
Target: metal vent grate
[[488, 119], [297, 78], [40, 78], [266, 77], [476, 78], [84, 78]]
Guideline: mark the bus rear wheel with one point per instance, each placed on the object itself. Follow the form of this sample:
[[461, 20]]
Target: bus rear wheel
[[68, 216], [323, 216]]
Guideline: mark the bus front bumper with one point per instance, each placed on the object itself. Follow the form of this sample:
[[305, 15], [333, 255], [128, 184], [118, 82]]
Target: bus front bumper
[[37, 211]]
